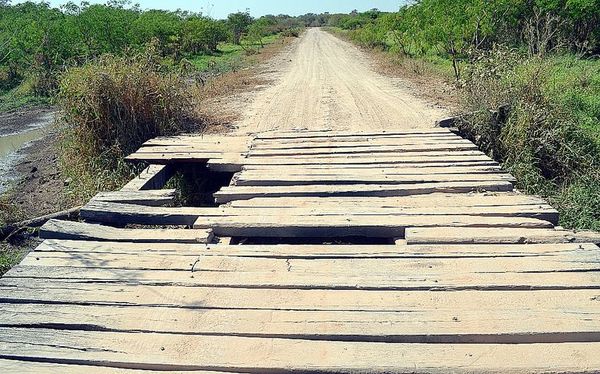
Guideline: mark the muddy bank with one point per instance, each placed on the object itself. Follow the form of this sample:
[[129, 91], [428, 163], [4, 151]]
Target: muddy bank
[[30, 179]]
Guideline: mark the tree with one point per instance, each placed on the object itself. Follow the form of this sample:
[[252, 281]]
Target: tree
[[238, 24]]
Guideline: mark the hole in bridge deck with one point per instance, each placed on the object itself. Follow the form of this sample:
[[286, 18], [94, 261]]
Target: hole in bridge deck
[[196, 184], [356, 240]]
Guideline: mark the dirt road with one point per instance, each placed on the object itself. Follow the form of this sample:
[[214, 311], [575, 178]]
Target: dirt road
[[323, 82]]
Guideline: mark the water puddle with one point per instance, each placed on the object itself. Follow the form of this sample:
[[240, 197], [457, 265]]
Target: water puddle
[[12, 143]]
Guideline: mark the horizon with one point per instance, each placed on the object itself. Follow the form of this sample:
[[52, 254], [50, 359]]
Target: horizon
[[257, 8]]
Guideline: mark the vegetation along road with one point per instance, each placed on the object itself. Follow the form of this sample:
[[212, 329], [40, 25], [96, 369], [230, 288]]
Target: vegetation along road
[[327, 83]]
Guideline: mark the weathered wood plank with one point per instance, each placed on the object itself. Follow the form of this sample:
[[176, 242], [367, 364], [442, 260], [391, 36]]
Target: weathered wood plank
[[443, 235], [28, 366], [421, 155], [489, 199], [542, 212], [357, 143], [144, 197], [526, 323], [531, 279], [258, 178], [154, 177], [26, 290], [373, 169], [55, 229], [227, 194], [190, 352], [168, 158], [310, 251], [577, 259], [347, 134], [416, 148], [123, 214]]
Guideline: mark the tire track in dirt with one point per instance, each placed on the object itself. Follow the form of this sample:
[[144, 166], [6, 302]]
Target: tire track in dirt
[[328, 83]]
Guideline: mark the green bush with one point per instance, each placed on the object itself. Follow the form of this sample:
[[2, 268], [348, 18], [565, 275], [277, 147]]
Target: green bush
[[109, 108], [550, 138]]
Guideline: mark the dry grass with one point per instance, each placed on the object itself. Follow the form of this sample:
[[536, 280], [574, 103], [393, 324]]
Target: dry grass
[[109, 108]]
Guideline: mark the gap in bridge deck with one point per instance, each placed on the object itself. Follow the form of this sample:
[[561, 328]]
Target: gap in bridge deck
[[196, 184], [349, 240]]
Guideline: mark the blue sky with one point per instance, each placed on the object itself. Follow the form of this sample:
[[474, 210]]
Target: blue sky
[[221, 8]]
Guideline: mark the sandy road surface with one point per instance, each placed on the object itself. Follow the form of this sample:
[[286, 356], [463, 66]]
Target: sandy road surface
[[327, 83]]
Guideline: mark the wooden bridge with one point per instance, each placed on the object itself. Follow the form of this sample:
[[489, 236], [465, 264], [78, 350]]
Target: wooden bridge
[[396, 252]]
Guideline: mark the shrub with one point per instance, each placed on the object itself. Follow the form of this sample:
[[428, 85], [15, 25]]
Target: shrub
[[109, 108], [543, 142]]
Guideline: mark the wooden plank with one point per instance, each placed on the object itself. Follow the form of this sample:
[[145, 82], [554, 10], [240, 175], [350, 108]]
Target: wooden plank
[[312, 251], [488, 199], [394, 159], [200, 262], [207, 142], [168, 158], [258, 178], [55, 229], [259, 355], [144, 197], [399, 167], [435, 324], [123, 214], [421, 155], [19, 367], [347, 134], [355, 225], [16, 290], [444, 235], [154, 177], [375, 170], [368, 142], [494, 279], [417, 148], [227, 194], [542, 212]]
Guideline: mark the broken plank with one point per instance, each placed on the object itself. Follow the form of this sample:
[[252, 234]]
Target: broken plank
[[154, 177], [227, 194], [55, 229], [144, 197], [444, 235]]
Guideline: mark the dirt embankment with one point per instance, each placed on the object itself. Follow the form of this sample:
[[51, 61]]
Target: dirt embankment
[[35, 185], [323, 82]]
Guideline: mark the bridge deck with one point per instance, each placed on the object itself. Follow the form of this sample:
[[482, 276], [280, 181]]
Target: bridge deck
[[403, 252]]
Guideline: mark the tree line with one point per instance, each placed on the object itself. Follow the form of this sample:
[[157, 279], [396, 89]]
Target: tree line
[[456, 28], [38, 41]]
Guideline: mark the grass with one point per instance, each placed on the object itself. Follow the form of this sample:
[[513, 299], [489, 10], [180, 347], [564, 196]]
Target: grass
[[16, 99], [229, 57], [10, 256]]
